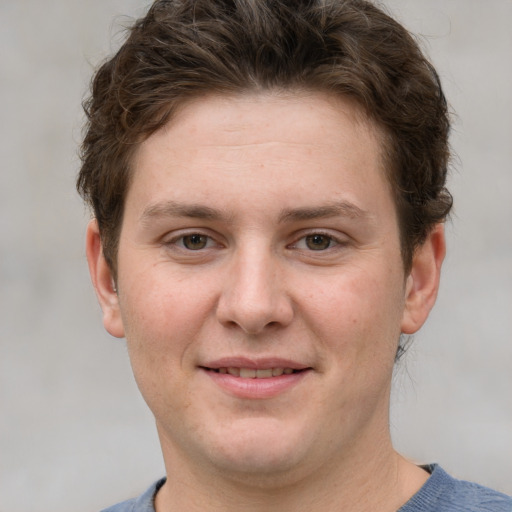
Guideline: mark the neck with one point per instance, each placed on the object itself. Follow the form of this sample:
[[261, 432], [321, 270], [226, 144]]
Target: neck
[[358, 483]]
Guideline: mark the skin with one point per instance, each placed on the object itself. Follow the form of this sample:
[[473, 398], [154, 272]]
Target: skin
[[262, 226]]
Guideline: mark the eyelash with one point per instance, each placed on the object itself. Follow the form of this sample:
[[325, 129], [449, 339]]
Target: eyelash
[[179, 241], [332, 241]]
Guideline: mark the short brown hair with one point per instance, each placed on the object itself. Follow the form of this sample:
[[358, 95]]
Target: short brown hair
[[187, 48]]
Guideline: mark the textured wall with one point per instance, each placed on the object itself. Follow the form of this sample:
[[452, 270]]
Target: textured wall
[[74, 433]]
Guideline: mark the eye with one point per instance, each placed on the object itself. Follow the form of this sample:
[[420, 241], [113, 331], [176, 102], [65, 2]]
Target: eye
[[318, 242], [195, 241], [190, 246], [191, 242]]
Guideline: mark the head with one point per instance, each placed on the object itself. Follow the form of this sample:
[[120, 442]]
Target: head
[[268, 184], [187, 49]]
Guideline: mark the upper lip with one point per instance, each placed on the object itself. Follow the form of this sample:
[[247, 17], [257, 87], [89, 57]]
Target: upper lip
[[254, 363]]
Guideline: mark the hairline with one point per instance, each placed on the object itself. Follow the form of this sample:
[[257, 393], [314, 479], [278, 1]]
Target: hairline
[[361, 115]]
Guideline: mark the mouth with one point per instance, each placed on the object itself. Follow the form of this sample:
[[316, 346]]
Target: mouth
[[263, 378], [254, 373]]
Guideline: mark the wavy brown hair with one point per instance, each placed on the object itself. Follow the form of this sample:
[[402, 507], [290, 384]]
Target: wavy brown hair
[[187, 48]]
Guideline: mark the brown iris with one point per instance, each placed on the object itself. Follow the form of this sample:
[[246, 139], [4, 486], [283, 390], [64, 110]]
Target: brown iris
[[195, 242], [318, 242]]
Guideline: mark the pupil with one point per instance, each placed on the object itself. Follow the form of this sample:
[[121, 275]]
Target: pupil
[[194, 242], [318, 242]]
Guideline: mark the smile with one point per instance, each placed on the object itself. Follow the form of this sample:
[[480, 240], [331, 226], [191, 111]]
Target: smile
[[251, 373], [242, 378]]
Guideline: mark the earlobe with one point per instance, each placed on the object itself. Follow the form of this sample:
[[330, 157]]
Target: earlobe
[[422, 282], [103, 281]]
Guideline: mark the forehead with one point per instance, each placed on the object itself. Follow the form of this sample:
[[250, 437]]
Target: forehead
[[254, 141], [310, 113]]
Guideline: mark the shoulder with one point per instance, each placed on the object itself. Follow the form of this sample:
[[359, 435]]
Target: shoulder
[[144, 503], [443, 493]]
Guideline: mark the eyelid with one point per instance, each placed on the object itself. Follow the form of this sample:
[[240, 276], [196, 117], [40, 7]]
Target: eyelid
[[172, 239], [337, 239]]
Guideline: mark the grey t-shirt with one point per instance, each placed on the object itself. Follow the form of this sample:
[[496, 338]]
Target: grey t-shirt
[[440, 493]]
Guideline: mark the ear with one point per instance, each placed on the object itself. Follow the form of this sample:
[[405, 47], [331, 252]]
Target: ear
[[422, 283], [103, 281]]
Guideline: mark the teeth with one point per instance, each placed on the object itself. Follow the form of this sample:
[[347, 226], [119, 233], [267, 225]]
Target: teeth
[[264, 374], [250, 373], [247, 373]]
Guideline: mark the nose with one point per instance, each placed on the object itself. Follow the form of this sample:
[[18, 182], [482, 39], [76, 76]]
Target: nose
[[254, 296]]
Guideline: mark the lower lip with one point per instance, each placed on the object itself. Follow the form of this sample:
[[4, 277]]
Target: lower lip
[[256, 388]]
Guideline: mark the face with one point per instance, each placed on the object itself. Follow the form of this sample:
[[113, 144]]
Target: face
[[260, 283]]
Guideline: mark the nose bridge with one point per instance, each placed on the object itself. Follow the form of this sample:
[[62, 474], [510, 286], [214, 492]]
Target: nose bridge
[[254, 294]]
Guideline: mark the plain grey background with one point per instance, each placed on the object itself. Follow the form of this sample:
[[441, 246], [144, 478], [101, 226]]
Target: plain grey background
[[74, 432]]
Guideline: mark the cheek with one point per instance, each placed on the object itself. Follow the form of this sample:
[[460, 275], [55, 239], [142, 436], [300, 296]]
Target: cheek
[[358, 313], [159, 330], [161, 321]]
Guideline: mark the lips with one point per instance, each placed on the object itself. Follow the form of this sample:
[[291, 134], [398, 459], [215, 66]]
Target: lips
[[248, 368], [255, 379], [252, 373]]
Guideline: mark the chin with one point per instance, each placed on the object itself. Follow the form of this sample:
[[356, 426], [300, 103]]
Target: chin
[[259, 447]]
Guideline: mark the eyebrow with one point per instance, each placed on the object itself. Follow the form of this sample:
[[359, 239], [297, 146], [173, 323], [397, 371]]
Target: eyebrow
[[198, 211], [176, 209], [339, 209]]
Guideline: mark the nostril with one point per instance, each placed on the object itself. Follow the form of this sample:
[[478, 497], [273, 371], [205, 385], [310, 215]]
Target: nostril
[[253, 303]]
